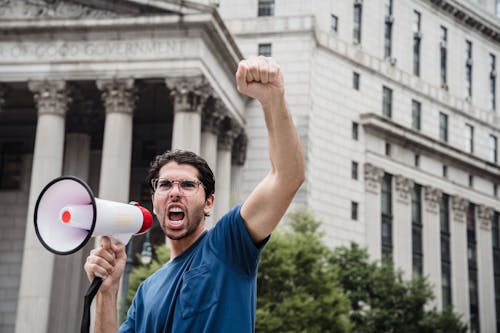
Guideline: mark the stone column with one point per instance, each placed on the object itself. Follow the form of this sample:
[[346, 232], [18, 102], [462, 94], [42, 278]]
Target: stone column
[[238, 157], [373, 211], [432, 242], [212, 115], [70, 277], [486, 283], [402, 227], [119, 100], [228, 131], [189, 95], [34, 301], [459, 264]]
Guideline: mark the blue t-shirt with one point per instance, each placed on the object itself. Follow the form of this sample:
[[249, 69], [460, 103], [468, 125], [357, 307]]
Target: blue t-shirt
[[210, 287]]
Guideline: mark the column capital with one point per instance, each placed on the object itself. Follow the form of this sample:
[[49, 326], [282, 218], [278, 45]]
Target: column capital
[[189, 93], [51, 97], [432, 196], [404, 186], [229, 130], [484, 215], [459, 206], [373, 177], [239, 152], [118, 95], [212, 114]]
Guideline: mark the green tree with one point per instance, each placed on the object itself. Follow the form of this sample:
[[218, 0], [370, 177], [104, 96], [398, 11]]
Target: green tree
[[298, 289], [382, 301]]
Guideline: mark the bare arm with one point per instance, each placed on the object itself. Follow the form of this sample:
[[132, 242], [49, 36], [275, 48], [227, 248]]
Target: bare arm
[[261, 78], [107, 260]]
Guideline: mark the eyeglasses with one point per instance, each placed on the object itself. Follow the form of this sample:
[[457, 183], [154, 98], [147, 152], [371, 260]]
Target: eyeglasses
[[186, 187]]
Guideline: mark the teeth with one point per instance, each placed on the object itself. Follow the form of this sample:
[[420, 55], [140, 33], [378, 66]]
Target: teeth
[[175, 210]]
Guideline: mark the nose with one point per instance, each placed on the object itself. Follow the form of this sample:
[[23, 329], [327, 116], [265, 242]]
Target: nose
[[176, 190]]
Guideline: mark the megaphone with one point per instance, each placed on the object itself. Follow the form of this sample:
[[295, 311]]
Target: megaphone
[[67, 215]]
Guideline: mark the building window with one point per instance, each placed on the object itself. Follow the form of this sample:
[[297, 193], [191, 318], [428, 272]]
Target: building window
[[11, 159], [468, 68], [354, 170], [387, 149], [265, 8], [415, 115], [417, 39], [387, 102], [265, 50], [443, 50], [443, 127], [334, 23], [354, 210], [493, 149], [445, 171], [416, 160], [469, 138], [472, 263], [495, 234], [444, 220], [416, 222], [355, 131], [495, 192], [386, 205], [471, 181], [355, 80], [389, 19], [493, 83], [357, 23]]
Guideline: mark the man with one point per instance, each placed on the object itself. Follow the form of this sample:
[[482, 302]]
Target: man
[[209, 285]]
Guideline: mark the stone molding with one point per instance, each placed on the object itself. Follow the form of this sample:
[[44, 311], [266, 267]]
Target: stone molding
[[403, 188], [118, 95], [51, 97], [39, 9], [484, 216], [459, 206], [239, 152], [432, 197], [229, 130], [189, 93], [373, 178]]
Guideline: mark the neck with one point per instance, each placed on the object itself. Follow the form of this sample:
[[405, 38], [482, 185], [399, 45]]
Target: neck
[[177, 247]]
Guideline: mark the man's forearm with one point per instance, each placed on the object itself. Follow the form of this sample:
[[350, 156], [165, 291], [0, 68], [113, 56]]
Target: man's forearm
[[106, 313]]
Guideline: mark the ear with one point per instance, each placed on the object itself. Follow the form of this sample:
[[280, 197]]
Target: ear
[[209, 203]]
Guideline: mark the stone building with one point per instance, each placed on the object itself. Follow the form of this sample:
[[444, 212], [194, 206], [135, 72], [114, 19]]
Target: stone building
[[395, 102]]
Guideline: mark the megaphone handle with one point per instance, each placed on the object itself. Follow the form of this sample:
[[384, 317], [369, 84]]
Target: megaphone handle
[[89, 296]]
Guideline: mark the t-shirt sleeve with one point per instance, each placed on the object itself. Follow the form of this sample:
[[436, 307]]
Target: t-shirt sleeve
[[231, 242]]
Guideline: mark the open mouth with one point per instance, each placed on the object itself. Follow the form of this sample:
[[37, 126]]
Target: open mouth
[[176, 215]]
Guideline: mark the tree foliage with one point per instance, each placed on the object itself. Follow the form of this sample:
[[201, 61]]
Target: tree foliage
[[298, 290]]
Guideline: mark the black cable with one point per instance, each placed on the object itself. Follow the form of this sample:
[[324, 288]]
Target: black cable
[[89, 296]]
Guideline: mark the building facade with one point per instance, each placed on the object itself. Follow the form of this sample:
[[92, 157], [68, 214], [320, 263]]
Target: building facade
[[395, 102]]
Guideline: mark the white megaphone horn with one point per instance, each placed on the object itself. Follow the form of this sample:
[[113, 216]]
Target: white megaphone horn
[[67, 215]]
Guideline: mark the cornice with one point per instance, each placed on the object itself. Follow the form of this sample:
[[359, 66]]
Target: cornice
[[384, 127], [469, 17]]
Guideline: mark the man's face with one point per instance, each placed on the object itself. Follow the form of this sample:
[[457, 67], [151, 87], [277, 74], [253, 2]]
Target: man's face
[[181, 216]]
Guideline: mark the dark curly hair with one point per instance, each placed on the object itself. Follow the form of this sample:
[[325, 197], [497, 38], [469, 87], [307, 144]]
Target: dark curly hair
[[206, 176]]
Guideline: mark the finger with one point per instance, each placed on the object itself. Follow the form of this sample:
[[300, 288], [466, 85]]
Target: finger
[[241, 73], [263, 69], [253, 69], [119, 251], [100, 263], [103, 253], [274, 71], [105, 242]]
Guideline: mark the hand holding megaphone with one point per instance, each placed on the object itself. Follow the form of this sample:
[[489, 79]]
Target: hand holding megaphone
[[67, 215]]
